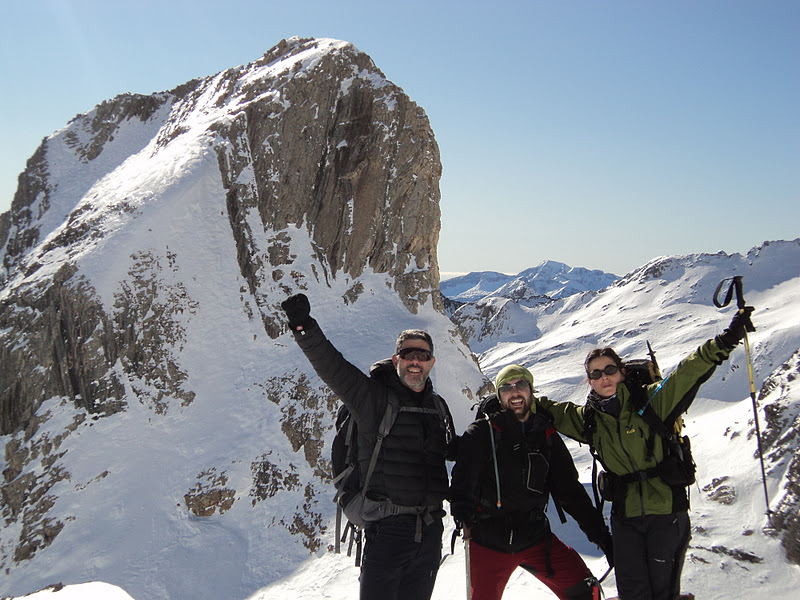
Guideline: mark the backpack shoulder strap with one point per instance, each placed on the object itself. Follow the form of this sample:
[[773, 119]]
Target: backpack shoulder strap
[[440, 410], [542, 421], [668, 433], [654, 421], [589, 429], [493, 443], [349, 435], [589, 425], [447, 418], [392, 408], [546, 418]]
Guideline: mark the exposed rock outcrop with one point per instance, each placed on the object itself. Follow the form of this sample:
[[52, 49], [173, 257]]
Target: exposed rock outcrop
[[308, 167]]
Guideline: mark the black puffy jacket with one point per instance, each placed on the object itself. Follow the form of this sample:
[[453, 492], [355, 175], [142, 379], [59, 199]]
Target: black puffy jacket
[[411, 468], [532, 464]]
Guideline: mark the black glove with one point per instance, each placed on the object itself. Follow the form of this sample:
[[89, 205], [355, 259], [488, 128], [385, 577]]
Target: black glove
[[297, 309], [463, 513], [736, 330]]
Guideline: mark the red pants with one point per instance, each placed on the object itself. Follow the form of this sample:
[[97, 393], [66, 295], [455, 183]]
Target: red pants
[[490, 570]]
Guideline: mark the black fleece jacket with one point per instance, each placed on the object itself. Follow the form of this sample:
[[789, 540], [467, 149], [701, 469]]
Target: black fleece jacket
[[411, 468], [532, 464]]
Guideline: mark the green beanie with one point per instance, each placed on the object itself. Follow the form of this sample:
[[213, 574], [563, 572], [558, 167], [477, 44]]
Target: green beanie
[[512, 372]]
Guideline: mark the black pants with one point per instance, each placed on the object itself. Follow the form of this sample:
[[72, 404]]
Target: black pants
[[394, 566], [648, 555]]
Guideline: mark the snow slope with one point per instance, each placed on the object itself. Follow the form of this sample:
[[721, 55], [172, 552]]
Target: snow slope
[[668, 302]]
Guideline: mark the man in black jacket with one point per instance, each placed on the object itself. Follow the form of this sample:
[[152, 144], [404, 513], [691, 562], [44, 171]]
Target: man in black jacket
[[508, 465], [404, 545]]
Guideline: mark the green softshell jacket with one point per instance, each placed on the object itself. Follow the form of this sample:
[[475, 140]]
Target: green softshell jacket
[[621, 443]]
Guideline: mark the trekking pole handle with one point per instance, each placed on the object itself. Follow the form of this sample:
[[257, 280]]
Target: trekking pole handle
[[735, 286]]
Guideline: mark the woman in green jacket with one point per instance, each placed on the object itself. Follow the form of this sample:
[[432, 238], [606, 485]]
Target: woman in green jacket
[[649, 516]]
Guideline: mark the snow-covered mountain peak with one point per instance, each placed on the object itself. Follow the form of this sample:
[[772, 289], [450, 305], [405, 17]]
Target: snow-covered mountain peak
[[550, 278], [144, 261]]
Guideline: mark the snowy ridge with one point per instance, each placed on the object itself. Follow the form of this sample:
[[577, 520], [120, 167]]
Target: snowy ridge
[[550, 278], [488, 306], [138, 161]]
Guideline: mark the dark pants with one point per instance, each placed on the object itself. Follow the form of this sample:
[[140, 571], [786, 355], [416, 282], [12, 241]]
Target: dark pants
[[648, 555], [396, 567], [490, 570]]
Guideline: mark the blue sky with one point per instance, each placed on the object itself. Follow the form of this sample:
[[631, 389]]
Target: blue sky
[[596, 133]]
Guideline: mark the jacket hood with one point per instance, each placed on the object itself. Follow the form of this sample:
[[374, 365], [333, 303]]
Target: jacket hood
[[382, 369]]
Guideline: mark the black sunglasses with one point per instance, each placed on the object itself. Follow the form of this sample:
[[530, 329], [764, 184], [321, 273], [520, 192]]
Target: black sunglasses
[[609, 370], [419, 354], [520, 385]]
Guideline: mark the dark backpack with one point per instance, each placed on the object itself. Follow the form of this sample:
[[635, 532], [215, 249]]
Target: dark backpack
[[351, 492], [677, 468]]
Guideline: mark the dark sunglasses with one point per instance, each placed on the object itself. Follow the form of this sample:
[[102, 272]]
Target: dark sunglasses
[[609, 370], [520, 385], [419, 354]]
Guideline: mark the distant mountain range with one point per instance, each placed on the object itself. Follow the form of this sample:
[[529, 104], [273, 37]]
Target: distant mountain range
[[550, 279]]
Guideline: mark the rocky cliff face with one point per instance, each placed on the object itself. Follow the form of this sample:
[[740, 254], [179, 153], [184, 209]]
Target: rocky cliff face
[[305, 135], [147, 250]]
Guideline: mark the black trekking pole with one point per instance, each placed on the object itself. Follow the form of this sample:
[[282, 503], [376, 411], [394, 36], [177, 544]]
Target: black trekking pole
[[736, 286]]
